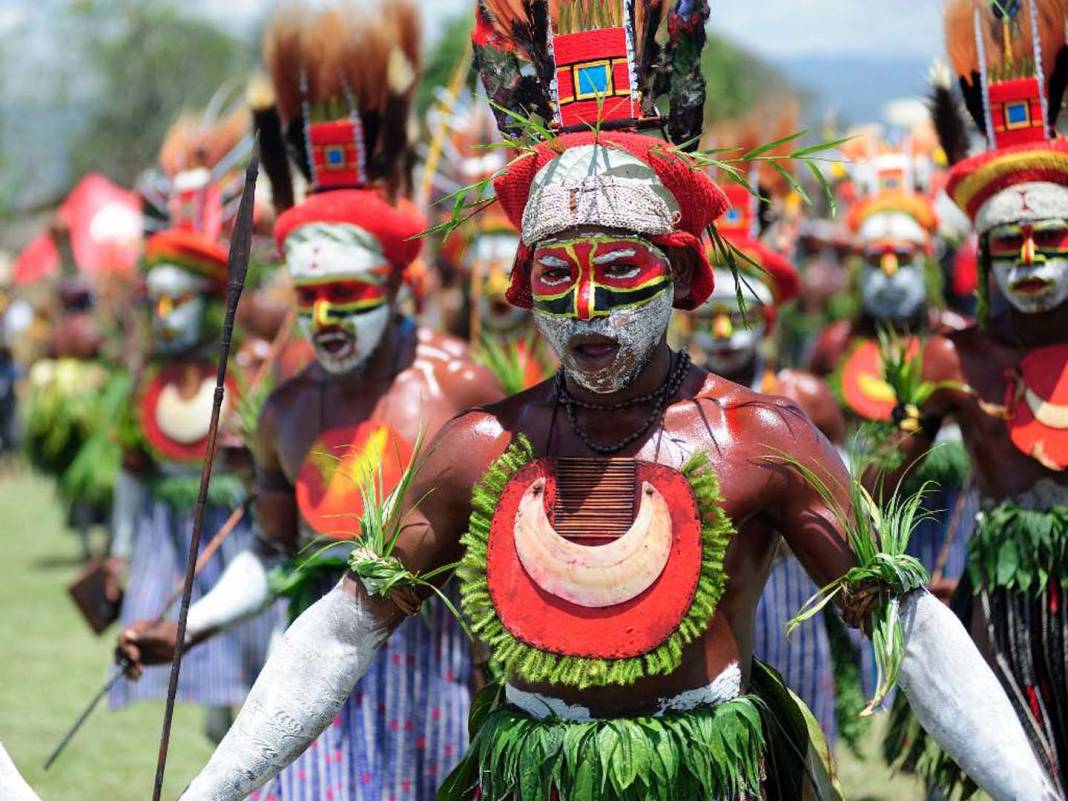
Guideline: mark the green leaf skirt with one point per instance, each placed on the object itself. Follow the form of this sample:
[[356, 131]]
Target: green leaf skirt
[[762, 743]]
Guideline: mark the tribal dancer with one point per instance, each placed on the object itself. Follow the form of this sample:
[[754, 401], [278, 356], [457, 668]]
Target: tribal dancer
[[164, 430], [377, 385], [894, 230], [477, 257], [623, 514], [1006, 378], [729, 340]]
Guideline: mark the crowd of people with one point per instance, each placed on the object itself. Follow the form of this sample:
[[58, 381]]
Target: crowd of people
[[573, 447]]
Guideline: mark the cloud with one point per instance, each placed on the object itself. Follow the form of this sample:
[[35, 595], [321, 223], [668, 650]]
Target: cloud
[[12, 18]]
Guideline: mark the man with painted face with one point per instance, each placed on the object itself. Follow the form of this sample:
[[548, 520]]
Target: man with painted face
[[620, 518], [1005, 378], [377, 384], [165, 439]]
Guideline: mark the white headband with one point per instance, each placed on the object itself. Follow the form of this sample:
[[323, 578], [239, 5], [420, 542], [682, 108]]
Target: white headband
[[1023, 203], [332, 250], [598, 185], [892, 225]]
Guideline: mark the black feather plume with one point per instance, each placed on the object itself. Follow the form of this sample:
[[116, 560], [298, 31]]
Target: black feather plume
[[268, 126], [1058, 83], [949, 123]]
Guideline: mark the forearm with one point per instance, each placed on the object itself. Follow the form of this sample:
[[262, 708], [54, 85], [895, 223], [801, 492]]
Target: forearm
[[128, 497], [12, 786], [960, 703], [242, 592], [299, 692]]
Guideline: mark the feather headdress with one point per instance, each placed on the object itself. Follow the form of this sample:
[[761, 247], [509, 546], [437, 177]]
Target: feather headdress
[[344, 78], [580, 64], [1012, 64], [198, 181]]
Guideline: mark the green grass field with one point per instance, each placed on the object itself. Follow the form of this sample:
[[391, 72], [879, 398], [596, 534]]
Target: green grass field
[[50, 665]]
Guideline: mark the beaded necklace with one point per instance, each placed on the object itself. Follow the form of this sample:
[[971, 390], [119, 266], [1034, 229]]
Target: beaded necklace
[[658, 397]]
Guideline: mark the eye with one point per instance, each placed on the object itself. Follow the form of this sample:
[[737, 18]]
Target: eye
[[555, 275], [905, 255], [619, 270], [305, 296], [344, 293], [1007, 240], [1052, 236]]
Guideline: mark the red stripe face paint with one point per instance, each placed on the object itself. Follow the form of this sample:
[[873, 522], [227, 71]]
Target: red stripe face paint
[[593, 276]]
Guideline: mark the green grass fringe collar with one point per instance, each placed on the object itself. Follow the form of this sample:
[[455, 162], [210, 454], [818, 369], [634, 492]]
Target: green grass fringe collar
[[517, 658], [1019, 549]]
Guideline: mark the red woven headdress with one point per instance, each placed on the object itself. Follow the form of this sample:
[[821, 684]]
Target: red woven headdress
[[699, 200]]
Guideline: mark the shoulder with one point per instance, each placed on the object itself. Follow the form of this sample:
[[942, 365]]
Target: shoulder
[[829, 347], [815, 398], [448, 362], [286, 399]]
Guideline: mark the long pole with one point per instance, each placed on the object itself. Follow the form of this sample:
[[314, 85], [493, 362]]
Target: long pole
[[240, 248]]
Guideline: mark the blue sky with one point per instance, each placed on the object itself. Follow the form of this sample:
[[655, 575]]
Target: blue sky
[[772, 27]]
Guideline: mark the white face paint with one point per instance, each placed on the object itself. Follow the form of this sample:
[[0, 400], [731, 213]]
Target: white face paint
[[637, 331], [178, 306], [892, 281], [727, 336], [341, 277], [1030, 264], [896, 293], [492, 254]]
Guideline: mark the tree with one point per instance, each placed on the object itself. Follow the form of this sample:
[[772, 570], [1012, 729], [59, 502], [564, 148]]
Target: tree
[[151, 62]]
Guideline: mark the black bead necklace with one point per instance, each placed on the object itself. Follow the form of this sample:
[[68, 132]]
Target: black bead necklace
[[658, 397]]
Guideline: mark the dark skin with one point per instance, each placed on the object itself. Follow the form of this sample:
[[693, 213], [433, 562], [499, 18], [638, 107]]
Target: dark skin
[[810, 394], [834, 341], [738, 428], [978, 363], [414, 380]]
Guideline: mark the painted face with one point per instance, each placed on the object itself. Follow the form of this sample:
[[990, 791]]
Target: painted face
[[723, 332], [603, 302], [342, 283], [492, 255], [178, 305], [892, 282], [1030, 264]]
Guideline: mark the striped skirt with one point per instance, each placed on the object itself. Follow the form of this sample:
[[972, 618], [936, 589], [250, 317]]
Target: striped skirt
[[221, 670], [401, 731], [804, 660]]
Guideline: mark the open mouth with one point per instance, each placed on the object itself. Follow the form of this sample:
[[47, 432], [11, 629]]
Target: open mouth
[[334, 341], [1031, 286], [592, 351]]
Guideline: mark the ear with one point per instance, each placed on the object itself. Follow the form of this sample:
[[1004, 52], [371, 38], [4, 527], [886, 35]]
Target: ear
[[683, 264]]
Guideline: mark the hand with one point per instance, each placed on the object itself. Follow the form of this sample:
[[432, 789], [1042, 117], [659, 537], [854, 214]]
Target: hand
[[115, 570], [943, 589], [147, 642], [857, 605]]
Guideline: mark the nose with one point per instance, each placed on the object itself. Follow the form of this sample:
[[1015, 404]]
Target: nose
[[1027, 251], [722, 327], [889, 264], [321, 313], [164, 306]]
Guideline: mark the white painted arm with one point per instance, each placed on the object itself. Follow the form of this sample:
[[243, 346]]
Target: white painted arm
[[960, 703], [12, 786], [302, 688], [240, 593], [129, 495]]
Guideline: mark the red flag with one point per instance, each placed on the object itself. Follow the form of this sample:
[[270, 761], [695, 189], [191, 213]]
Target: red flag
[[106, 226], [38, 259]]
